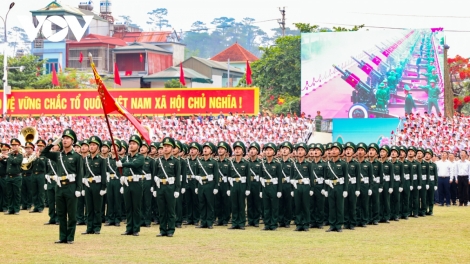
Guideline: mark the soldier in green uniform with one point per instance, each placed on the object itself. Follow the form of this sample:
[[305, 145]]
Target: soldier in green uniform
[[147, 189], [3, 177], [81, 207], [167, 180], [381, 97], [95, 186], [253, 201], [207, 186], [405, 195], [350, 219], [69, 184], [317, 203], [104, 154], [122, 154], [285, 202], [179, 201], [366, 176], [302, 179], [376, 185], [50, 186], [388, 181], [114, 185], [433, 96], [27, 183], [38, 168], [415, 181], [240, 185], [270, 179], [14, 179], [398, 183], [425, 170], [336, 186], [432, 181], [409, 102], [131, 178], [318, 120], [222, 201], [154, 146], [190, 185]]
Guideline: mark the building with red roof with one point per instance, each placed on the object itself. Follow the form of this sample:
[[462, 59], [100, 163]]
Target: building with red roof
[[237, 55]]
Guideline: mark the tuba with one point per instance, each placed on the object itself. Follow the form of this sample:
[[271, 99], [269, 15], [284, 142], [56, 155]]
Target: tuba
[[27, 134]]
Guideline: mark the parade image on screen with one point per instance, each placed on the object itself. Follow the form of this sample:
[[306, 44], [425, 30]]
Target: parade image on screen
[[372, 74]]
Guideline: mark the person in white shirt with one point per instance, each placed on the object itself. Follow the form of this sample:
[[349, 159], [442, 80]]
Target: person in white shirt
[[453, 179], [463, 177], [444, 172]]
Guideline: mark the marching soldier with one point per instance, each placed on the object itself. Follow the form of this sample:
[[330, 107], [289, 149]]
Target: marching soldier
[[222, 202], [240, 185], [376, 185], [69, 184], [27, 183], [3, 178], [147, 189], [50, 186], [114, 185], [354, 177], [425, 170], [122, 155], [104, 153], [132, 165], [303, 189], [253, 201], [270, 178], [388, 181], [189, 189], [318, 199], [13, 162], [38, 168], [95, 186], [167, 172], [415, 181], [432, 181], [397, 173], [81, 207], [336, 191], [285, 202], [365, 188], [179, 201], [407, 185], [207, 186]]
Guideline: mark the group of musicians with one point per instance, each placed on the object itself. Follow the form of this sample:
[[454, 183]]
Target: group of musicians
[[172, 183]]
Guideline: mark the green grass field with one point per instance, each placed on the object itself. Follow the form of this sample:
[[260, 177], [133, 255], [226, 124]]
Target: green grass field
[[442, 238]]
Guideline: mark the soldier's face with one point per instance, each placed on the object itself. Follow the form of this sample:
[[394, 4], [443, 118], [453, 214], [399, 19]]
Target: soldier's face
[[93, 148], [153, 151], [372, 152], [77, 149], [361, 152], [133, 146], [310, 153], [206, 150], [419, 155], [167, 149], [269, 152], [427, 156], [29, 150], [402, 154], [40, 148], [383, 153], [285, 151], [349, 152], [160, 151], [122, 151], [253, 152], [143, 149], [56, 148], [238, 151], [334, 152], [83, 149], [175, 151], [394, 154], [221, 151], [67, 142], [317, 153], [411, 154], [301, 152]]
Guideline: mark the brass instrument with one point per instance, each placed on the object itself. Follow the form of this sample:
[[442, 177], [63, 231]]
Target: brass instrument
[[29, 162], [27, 134]]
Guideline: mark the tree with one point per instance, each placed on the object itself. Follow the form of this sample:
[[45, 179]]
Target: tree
[[174, 83], [18, 39], [69, 79], [18, 79], [126, 20], [459, 71], [157, 18]]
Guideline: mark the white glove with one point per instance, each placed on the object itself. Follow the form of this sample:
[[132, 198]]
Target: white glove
[[400, 189], [121, 190], [151, 189], [102, 192], [357, 193], [427, 187], [228, 193], [345, 194], [57, 141], [322, 192], [435, 188], [419, 187], [176, 194], [381, 190], [119, 164], [154, 193], [25, 160], [261, 195], [122, 179], [247, 193], [45, 187], [77, 194], [279, 194], [326, 194], [327, 182], [216, 191], [183, 190], [311, 193], [292, 193], [369, 192], [83, 193], [195, 191], [390, 190], [85, 182], [411, 188]]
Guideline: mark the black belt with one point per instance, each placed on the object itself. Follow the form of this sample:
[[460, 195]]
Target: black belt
[[39, 172], [13, 175], [27, 174]]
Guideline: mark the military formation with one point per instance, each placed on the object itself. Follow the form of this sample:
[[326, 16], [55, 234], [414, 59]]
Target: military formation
[[97, 182]]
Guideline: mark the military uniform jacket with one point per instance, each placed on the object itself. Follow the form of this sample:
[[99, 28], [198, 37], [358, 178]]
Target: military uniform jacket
[[255, 169], [26, 172], [96, 167], [111, 167], [365, 171], [377, 173], [148, 167], [302, 170], [67, 163], [387, 173], [39, 165], [208, 167], [432, 173], [286, 167], [3, 168], [424, 172], [51, 170], [354, 173], [415, 173], [170, 167], [271, 171], [132, 165], [319, 170], [398, 172], [336, 170], [240, 169], [224, 166], [183, 171], [190, 168]]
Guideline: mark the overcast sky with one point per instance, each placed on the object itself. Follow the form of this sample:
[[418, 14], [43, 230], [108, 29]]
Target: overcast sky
[[452, 15]]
